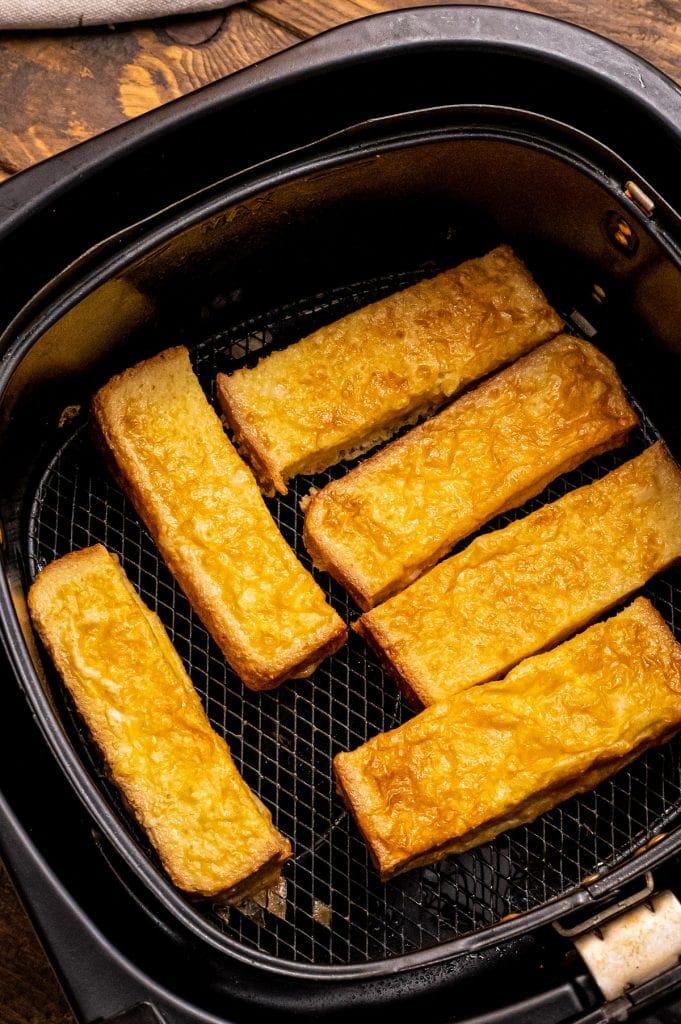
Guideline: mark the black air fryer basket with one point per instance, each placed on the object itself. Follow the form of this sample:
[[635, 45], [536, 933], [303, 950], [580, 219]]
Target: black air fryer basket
[[234, 221]]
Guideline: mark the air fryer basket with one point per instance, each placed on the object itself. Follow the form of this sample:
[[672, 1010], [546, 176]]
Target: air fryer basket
[[332, 909], [252, 263]]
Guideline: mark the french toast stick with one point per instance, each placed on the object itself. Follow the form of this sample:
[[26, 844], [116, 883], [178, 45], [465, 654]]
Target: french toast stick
[[499, 755], [387, 521], [519, 590], [203, 508], [212, 834], [353, 383]]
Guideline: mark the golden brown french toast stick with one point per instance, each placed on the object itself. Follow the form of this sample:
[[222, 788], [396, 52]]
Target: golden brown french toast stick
[[353, 383], [213, 835], [206, 514], [382, 525], [499, 755], [516, 591]]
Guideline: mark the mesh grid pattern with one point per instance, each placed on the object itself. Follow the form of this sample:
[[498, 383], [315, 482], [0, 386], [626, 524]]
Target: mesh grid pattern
[[336, 910]]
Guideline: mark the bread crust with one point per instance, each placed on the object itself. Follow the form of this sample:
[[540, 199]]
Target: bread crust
[[213, 835], [499, 755], [390, 519], [517, 591], [353, 383], [205, 512]]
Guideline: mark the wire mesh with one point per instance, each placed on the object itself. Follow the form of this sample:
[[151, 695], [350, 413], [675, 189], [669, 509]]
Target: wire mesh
[[334, 910]]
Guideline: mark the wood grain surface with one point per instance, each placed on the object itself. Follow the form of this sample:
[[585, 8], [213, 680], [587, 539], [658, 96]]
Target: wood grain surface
[[59, 88], [29, 991]]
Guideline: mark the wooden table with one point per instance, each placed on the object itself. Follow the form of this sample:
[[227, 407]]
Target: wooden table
[[60, 88]]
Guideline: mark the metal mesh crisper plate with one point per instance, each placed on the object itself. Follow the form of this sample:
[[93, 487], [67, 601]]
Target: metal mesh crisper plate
[[336, 910]]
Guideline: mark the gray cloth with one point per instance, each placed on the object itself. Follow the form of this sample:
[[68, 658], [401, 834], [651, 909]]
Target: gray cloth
[[36, 14]]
